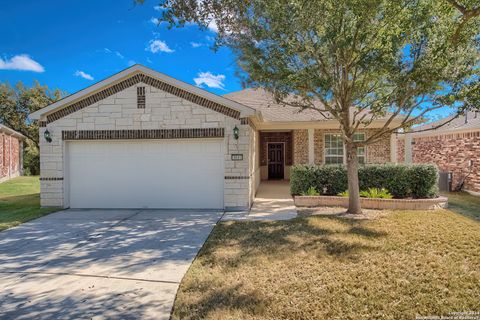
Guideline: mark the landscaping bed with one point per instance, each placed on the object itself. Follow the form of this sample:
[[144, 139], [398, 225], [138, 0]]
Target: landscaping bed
[[385, 186], [373, 203]]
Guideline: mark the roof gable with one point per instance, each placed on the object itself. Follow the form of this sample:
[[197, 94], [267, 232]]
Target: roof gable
[[132, 76]]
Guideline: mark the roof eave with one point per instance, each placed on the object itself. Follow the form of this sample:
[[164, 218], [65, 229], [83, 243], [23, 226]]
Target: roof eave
[[11, 132]]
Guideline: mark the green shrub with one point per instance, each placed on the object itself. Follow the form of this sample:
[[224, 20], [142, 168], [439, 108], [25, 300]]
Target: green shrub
[[328, 180], [376, 193], [423, 181], [311, 192], [402, 181]]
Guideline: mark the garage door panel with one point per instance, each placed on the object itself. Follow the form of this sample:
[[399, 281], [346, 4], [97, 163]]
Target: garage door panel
[[146, 174]]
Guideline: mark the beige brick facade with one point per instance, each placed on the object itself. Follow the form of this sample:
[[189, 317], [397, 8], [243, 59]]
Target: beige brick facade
[[162, 111], [300, 146]]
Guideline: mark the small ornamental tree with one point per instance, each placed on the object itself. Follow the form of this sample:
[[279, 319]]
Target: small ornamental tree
[[355, 61]]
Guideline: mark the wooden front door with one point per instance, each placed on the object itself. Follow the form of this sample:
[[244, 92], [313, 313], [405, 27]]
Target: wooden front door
[[275, 161]]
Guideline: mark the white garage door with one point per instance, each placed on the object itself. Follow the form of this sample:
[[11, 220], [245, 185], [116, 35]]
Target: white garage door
[[146, 174]]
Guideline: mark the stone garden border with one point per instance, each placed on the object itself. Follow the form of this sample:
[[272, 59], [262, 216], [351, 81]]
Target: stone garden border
[[371, 203]]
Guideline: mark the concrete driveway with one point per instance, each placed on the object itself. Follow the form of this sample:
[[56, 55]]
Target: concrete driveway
[[101, 264]]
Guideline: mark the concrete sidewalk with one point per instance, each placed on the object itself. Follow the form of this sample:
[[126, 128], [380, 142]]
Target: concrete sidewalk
[[103, 264], [272, 202]]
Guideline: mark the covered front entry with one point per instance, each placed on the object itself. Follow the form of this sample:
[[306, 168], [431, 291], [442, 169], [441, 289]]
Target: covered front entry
[[275, 154], [276, 163], [173, 174]]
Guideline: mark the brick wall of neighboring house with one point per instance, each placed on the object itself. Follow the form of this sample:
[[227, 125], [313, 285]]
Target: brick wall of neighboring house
[[161, 110], [451, 152], [10, 157], [300, 146]]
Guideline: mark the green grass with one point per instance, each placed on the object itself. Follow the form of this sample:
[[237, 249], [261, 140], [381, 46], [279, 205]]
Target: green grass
[[464, 203], [20, 201], [404, 264]]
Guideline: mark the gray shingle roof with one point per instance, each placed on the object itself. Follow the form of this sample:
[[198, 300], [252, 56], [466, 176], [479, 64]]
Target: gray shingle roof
[[472, 123], [261, 100]]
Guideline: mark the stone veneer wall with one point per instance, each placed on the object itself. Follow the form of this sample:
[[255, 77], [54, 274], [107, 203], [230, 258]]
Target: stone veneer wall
[[10, 158], [300, 146], [451, 152], [162, 111]]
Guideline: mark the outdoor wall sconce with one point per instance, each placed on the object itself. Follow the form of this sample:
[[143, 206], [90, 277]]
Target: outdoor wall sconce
[[236, 132], [47, 136]]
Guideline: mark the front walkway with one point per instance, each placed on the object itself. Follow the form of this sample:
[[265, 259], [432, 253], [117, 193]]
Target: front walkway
[[272, 202]]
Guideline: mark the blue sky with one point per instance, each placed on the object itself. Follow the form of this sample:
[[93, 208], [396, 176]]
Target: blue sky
[[72, 44]]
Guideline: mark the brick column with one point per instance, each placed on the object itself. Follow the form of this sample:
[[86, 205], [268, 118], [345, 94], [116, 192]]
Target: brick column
[[311, 146]]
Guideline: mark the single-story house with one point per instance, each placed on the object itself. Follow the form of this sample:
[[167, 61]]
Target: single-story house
[[11, 153], [141, 139], [453, 147]]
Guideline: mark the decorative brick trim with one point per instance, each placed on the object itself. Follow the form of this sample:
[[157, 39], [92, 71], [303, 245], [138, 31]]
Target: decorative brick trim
[[248, 121], [143, 134], [237, 177], [133, 80], [141, 97], [42, 124], [51, 178]]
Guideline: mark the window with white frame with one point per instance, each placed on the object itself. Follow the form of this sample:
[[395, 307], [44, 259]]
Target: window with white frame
[[333, 148], [359, 137]]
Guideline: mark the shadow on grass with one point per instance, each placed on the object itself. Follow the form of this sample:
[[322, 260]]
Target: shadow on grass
[[335, 236], [221, 299], [246, 244]]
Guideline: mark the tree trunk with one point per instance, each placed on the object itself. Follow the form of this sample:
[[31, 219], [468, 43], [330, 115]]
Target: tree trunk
[[353, 184]]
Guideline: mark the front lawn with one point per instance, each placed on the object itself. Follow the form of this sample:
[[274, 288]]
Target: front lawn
[[20, 201], [404, 264]]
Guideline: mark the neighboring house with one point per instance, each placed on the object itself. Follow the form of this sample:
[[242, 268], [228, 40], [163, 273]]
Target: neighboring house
[[141, 139], [11, 148], [454, 148]]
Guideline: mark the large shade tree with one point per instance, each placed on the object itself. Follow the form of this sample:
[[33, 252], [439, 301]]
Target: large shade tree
[[355, 61]]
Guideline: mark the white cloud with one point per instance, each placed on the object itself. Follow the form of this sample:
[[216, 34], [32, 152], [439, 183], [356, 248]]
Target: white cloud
[[210, 80], [158, 8], [196, 44], [155, 46], [154, 20], [117, 53], [21, 62], [83, 75], [131, 62]]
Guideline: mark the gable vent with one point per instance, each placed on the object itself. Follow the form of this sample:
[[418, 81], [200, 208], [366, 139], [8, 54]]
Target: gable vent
[[141, 97]]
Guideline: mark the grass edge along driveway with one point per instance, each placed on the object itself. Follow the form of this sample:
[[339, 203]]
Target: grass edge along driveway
[[20, 201]]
